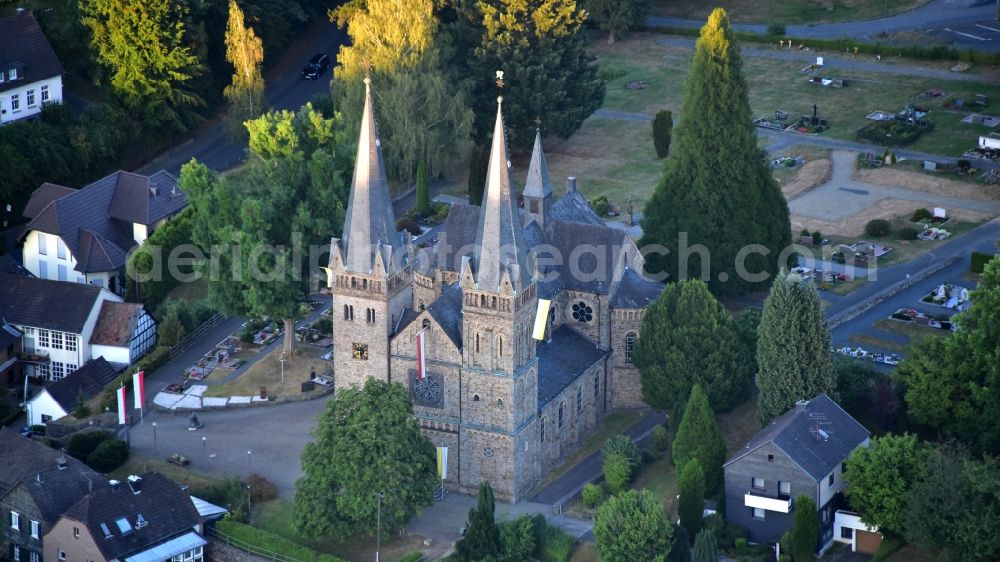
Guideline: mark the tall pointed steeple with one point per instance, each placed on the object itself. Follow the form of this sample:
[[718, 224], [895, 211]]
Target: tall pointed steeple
[[370, 225], [500, 249], [538, 188]]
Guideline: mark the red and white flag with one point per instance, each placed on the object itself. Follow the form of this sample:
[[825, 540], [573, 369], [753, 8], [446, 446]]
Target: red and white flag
[[421, 353], [121, 405], [139, 388]]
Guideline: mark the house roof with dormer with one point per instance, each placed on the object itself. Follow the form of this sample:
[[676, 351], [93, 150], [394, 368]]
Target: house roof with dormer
[[369, 225], [24, 47], [22, 457], [817, 435], [95, 222]]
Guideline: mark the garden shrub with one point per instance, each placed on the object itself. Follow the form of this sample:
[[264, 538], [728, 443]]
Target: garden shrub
[[109, 455], [979, 261], [776, 29], [609, 74], [804, 232], [266, 540], [908, 233], [324, 325], [229, 492], [409, 225], [85, 442], [622, 445], [261, 489], [817, 238], [877, 227], [663, 125], [921, 214], [415, 556], [555, 546], [661, 439], [600, 205], [617, 472], [517, 539], [592, 495], [892, 133]]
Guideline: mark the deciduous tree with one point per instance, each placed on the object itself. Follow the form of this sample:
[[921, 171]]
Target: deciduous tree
[[793, 348], [141, 45], [689, 338], [698, 437], [366, 441], [633, 526], [245, 51], [720, 177], [879, 478], [691, 501], [618, 17]]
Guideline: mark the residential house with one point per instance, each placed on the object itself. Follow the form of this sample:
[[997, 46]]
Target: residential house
[[30, 73], [802, 453], [84, 235], [66, 324], [59, 399], [145, 519], [34, 482]]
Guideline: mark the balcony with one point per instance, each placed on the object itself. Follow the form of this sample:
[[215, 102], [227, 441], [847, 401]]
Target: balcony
[[37, 356], [767, 502]]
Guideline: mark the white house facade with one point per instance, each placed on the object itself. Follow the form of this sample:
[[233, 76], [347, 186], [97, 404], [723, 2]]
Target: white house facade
[[30, 72]]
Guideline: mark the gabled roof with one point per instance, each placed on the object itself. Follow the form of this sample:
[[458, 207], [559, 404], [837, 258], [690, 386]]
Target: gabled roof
[[369, 223], [96, 222], [458, 236], [594, 276], [500, 247], [91, 378], [816, 435], [446, 311], [10, 265], [635, 291], [43, 303], [165, 508], [562, 360], [22, 457], [24, 46], [54, 490], [116, 323], [572, 207], [41, 197]]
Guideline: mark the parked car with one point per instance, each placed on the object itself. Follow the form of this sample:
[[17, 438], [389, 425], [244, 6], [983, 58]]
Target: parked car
[[316, 66]]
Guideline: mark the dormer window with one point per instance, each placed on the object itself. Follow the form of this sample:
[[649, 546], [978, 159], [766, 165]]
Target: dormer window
[[124, 527], [12, 73]]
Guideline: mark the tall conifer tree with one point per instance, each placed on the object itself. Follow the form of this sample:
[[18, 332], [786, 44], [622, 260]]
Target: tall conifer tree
[[793, 348], [717, 188], [698, 437]]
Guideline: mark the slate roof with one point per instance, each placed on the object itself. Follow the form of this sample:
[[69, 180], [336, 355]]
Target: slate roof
[[538, 183], [54, 491], [116, 323], [572, 207], [594, 277], [10, 265], [95, 222], [797, 434], [92, 377], [24, 46], [446, 311], [41, 197], [165, 507], [22, 457], [562, 360], [42, 303], [635, 291], [458, 237], [369, 223]]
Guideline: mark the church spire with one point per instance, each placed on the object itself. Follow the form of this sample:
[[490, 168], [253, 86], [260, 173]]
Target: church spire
[[538, 183], [501, 252], [370, 225]]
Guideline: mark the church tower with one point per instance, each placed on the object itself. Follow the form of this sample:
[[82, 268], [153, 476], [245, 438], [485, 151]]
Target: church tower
[[499, 366], [368, 274], [538, 187]]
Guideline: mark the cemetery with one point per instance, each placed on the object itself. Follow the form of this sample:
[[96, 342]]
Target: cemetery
[[860, 253], [864, 355], [902, 129], [913, 316], [949, 296]]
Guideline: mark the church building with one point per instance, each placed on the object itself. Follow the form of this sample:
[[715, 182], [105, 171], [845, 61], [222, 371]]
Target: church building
[[508, 407]]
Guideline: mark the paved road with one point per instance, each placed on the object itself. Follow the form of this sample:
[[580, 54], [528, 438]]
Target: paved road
[[952, 21], [285, 90]]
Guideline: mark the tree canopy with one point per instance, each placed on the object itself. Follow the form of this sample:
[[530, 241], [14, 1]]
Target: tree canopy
[[691, 492], [793, 348], [245, 51], [633, 526], [689, 338], [719, 176], [142, 46], [618, 17], [880, 476], [805, 532], [366, 442], [698, 437], [953, 384], [482, 536]]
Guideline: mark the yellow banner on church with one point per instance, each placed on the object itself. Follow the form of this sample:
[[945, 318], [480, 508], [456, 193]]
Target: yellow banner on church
[[541, 319], [442, 463]]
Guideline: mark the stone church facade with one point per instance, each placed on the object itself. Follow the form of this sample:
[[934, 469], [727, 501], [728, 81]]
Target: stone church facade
[[507, 406]]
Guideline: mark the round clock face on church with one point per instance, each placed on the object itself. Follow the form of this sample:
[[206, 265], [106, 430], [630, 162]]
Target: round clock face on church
[[427, 391]]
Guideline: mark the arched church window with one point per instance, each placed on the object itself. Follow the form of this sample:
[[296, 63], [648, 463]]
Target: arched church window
[[630, 339]]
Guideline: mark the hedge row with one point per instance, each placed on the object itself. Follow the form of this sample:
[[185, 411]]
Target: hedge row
[[267, 540], [937, 52], [979, 261]]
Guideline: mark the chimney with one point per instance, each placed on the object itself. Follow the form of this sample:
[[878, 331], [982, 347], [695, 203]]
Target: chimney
[[135, 483], [571, 184]]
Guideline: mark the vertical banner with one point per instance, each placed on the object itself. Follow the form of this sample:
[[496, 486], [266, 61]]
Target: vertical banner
[[139, 388], [421, 352], [541, 319], [121, 405], [442, 462]]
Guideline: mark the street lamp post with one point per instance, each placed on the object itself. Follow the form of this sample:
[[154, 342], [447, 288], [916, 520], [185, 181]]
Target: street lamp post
[[204, 444], [249, 510], [378, 532], [155, 448], [282, 360]]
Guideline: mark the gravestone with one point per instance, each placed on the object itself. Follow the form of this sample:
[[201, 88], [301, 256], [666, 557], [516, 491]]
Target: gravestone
[[930, 165]]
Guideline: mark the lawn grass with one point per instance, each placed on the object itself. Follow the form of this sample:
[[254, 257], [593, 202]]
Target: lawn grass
[[786, 11], [869, 341], [739, 425], [913, 331], [902, 250], [848, 287], [267, 373], [138, 464], [276, 516], [660, 477], [613, 424]]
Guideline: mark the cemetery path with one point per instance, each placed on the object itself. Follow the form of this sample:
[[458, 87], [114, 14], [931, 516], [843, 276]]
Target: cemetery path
[[936, 14], [861, 64], [844, 196]]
